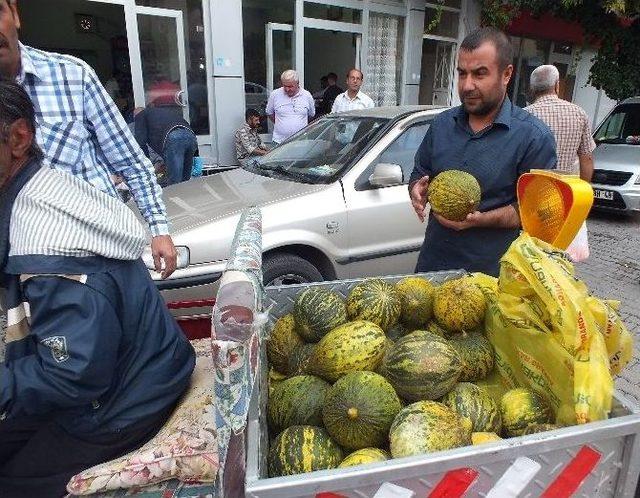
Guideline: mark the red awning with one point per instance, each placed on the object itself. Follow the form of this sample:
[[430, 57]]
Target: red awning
[[546, 27]]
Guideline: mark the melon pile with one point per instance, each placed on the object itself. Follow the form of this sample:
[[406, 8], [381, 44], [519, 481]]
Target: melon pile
[[393, 370]]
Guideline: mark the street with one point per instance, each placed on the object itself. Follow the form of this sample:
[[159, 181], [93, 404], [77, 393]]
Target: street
[[613, 272]]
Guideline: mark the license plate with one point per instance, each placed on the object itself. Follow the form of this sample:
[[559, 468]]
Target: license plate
[[605, 195]]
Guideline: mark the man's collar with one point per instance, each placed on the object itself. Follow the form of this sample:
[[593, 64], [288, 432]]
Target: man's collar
[[26, 64], [548, 97], [503, 117]]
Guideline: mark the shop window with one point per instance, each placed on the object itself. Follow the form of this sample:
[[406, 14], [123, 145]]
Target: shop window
[[192, 16], [332, 13]]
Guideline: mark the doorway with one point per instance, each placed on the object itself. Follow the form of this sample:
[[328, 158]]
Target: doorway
[[436, 80]]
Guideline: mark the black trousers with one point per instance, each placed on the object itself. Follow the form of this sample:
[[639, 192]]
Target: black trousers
[[38, 457]]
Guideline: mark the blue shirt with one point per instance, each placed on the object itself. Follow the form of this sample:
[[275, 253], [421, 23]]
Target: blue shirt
[[81, 131], [516, 142]]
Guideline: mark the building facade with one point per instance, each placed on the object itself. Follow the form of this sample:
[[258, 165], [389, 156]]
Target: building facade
[[215, 58]]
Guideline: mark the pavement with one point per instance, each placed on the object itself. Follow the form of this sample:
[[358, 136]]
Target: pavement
[[613, 271]]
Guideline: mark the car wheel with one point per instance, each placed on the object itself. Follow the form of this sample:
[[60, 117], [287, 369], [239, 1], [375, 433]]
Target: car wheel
[[287, 269]]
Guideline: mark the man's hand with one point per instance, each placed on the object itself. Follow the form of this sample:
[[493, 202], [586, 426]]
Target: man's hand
[[162, 249], [475, 219], [419, 196]]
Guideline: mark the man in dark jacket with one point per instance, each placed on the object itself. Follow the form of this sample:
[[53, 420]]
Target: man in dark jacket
[[164, 129], [94, 362]]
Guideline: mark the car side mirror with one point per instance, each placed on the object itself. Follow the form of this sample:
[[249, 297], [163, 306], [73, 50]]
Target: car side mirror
[[386, 175]]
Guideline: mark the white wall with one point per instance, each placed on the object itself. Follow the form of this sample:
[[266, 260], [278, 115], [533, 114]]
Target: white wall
[[595, 102]]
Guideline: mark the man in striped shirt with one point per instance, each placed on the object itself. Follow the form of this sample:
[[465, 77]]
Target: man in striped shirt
[[95, 363], [80, 129]]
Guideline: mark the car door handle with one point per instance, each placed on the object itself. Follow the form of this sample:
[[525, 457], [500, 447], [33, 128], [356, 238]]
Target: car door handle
[[332, 226]]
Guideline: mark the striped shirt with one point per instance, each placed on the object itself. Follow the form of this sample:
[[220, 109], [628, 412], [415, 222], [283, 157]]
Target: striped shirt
[[570, 127], [81, 131], [56, 214]]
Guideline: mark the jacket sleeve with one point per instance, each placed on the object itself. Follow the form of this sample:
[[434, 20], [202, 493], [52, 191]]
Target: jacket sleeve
[[77, 335]]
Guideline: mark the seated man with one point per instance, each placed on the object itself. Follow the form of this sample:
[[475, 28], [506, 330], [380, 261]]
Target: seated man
[[94, 361], [247, 139]]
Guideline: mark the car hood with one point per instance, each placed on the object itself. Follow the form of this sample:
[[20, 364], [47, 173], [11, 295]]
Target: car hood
[[206, 199], [617, 157]]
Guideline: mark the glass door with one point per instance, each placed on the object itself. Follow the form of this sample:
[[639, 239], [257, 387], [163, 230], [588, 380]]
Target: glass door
[[279, 50], [162, 54]]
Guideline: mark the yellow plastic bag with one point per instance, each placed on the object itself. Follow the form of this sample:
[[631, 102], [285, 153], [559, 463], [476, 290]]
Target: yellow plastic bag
[[550, 335]]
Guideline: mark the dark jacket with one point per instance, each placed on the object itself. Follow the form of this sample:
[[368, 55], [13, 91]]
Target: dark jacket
[[153, 124], [95, 348]]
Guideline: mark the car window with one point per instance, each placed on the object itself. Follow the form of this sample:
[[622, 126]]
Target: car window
[[322, 151], [622, 125], [402, 151]]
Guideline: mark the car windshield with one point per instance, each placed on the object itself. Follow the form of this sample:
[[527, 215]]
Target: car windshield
[[621, 127], [320, 152]]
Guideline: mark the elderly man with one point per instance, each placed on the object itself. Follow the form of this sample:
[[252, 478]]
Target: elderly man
[[80, 129], [353, 98], [490, 138], [94, 361], [568, 122], [289, 107]]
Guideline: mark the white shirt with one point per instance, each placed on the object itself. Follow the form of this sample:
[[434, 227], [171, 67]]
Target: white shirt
[[344, 103], [292, 113]]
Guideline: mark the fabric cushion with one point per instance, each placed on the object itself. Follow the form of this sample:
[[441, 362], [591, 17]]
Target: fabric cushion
[[186, 447]]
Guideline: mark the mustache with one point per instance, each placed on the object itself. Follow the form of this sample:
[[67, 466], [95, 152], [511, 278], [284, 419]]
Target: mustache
[[471, 94]]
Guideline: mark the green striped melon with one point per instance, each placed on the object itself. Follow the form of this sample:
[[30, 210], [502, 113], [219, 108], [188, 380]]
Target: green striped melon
[[425, 427], [317, 311], [422, 366], [454, 194], [416, 296], [376, 301], [522, 407], [475, 404], [296, 401], [274, 378], [484, 437], [536, 428], [281, 343], [358, 410], [477, 355], [459, 305], [299, 359], [358, 345], [303, 448], [364, 456]]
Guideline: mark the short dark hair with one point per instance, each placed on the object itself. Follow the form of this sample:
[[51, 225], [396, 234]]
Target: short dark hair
[[251, 113], [16, 104], [355, 69], [332, 76], [504, 49]]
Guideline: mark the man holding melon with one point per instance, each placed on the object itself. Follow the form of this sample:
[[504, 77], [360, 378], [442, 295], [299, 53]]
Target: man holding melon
[[469, 162]]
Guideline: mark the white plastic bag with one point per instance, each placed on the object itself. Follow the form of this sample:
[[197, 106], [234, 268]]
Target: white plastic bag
[[579, 248]]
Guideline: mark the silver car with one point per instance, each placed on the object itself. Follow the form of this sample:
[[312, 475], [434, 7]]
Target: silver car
[[334, 202], [616, 179]]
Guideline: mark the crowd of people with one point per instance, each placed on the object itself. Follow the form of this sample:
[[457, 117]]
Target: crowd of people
[[94, 361]]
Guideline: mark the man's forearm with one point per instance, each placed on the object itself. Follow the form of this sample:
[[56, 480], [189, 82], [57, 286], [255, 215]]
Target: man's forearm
[[502, 217], [586, 166]]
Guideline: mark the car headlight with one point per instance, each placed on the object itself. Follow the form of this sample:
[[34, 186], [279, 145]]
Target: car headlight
[[183, 257]]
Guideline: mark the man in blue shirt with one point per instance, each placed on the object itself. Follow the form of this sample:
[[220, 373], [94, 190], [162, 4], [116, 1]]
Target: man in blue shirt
[[490, 138]]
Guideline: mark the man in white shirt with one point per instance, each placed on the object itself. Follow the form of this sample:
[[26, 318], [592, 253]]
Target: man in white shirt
[[289, 107], [353, 98]]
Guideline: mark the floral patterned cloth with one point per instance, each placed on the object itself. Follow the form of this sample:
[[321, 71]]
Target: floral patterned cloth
[[236, 362], [185, 448]]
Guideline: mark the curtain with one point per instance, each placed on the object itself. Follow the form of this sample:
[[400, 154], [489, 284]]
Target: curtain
[[384, 59]]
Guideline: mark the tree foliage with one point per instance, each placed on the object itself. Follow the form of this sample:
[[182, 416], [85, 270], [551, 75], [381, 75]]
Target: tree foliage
[[613, 26]]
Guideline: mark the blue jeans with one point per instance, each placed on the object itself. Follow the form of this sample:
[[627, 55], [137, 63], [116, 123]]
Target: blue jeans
[[179, 148]]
